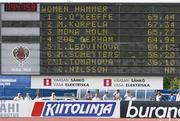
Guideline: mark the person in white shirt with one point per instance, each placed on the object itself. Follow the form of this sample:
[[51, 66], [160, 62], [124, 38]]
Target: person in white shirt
[[38, 98], [128, 96], [88, 96], [96, 97], [116, 95], [178, 96], [18, 97], [27, 98], [158, 96], [53, 96], [106, 96]]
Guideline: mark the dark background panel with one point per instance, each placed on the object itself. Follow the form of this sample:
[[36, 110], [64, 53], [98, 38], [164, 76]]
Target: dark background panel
[[71, 7], [89, 39], [77, 31], [134, 8], [79, 24], [111, 62], [20, 24], [146, 34], [112, 71], [147, 106]]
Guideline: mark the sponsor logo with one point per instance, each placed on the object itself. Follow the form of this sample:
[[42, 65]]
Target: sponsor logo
[[131, 83], [153, 111], [47, 82], [74, 109], [21, 53], [107, 82], [9, 109], [63, 82]]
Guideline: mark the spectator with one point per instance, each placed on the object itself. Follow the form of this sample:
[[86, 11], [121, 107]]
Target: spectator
[[178, 96], [106, 96], [116, 95], [159, 96], [27, 98], [88, 96], [128, 96], [153, 96], [172, 97], [38, 97], [53, 96], [96, 97], [97, 91], [18, 97]]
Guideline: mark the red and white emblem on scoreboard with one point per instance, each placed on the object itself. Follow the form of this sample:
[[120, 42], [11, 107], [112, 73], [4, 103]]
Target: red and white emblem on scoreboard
[[21, 53], [47, 82], [107, 82]]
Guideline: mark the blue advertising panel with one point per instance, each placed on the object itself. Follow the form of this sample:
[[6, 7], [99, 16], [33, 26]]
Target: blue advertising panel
[[15, 81]]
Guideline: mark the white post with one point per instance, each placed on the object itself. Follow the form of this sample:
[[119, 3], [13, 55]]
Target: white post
[[145, 94]]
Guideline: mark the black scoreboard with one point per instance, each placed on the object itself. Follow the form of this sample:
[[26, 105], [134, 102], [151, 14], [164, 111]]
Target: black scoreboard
[[109, 39]]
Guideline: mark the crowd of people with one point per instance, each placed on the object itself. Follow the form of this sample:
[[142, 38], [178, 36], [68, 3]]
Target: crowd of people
[[89, 96], [172, 97], [128, 96], [116, 96], [19, 97]]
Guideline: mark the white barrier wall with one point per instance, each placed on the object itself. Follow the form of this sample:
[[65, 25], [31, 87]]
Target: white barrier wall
[[15, 108], [90, 109]]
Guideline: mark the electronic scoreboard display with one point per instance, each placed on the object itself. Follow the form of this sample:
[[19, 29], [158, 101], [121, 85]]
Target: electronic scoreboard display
[[109, 39], [20, 7]]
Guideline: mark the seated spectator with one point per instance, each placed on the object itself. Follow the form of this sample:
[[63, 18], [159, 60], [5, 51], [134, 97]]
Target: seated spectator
[[116, 95], [159, 96], [27, 98], [172, 97], [97, 91], [53, 96], [178, 96], [153, 96], [18, 97], [38, 98], [106, 96], [128, 96], [88, 96], [96, 97]]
